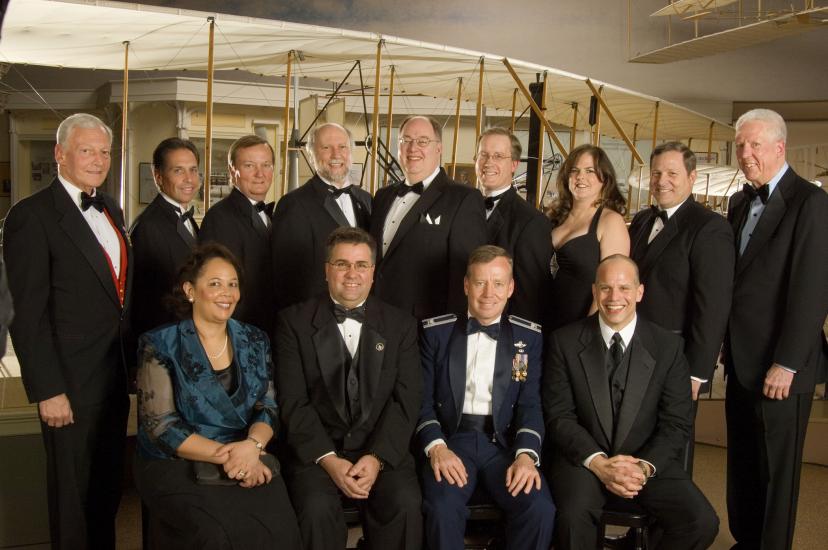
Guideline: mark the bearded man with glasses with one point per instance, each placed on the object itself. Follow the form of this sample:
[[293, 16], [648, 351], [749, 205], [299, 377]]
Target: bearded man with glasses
[[349, 384]]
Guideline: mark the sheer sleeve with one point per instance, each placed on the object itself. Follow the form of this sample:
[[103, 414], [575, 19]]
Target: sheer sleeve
[[157, 414]]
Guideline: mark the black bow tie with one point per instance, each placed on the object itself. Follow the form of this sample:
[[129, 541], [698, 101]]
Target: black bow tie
[[659, 213], [355, 313], [752, 192], [490, 202], [95, 201], [492, 331], [338, 191], [187, 214], [266, 208], [404, 189]]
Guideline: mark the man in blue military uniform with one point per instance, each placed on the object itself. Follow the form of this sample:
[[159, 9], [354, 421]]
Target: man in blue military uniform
[[481, 420]]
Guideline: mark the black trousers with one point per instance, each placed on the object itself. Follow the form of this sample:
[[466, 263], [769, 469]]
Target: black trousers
[[684, 517], [391, 516], [765, 438], [84, 473]]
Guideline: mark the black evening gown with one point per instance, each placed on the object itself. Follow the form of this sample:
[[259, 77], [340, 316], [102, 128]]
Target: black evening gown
[[573, 272]]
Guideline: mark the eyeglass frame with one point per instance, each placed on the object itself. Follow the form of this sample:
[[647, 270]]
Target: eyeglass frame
[[343, 266], [497, 157], [422, 142]]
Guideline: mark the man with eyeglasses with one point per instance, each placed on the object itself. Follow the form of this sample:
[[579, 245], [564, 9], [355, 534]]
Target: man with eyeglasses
[[165, 233], [514, 224], [241, 222], [425, 228], [305, 217], [349, 383]]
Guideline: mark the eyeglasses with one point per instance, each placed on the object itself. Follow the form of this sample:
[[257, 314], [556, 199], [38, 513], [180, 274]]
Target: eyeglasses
[[497, 157], [342, 265], [420, 141]]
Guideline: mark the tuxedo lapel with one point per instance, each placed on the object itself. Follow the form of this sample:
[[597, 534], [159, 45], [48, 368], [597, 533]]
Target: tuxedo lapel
[[503, 367], [494, 223], [248, 212], [412, 218], [457, 364], [327, 201], [640, 232], [196, 365], [768, 221], [641, 368], [371, 357], [592, 358], [327, 341], [665, 236], [78, 231]]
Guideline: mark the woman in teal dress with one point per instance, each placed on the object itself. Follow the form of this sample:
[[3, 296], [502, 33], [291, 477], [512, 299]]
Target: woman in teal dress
[[206, 403]]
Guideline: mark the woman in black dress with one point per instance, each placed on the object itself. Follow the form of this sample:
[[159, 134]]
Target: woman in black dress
[[588, 225]]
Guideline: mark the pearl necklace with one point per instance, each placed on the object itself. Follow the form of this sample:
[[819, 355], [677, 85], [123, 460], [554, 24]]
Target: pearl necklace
[[220, 353]]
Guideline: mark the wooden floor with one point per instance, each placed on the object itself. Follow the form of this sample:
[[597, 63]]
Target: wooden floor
[[811, 528]]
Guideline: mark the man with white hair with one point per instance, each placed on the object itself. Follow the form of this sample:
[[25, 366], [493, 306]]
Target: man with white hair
[[70, 272], [305, 217], [775, 349]]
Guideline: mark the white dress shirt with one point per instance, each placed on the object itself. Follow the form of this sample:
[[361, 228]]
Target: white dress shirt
[[99, 224], [658, 225], [188, 224], [262, 214], [399, 208], [344, 201], [495, 194]]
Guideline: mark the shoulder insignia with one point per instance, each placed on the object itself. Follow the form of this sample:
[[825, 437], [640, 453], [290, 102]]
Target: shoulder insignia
[[439, 320], [525, 323]]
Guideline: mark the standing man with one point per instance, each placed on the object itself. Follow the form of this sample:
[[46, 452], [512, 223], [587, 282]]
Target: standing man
[[514, 224], [425, 227], [481, 421], [686, 256], [241, 222], [350, 386], [165, 233], [775, 349], [616, 398], [70, 271], [306, 216]]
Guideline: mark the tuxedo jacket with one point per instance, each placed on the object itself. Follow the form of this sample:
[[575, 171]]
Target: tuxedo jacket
[[302, 221], [687, 273], [161, 246], [780, 295], [526, 234], [654, 418], [516, 407], [235, 223], [423, 268], [310, 382], [173, 361], [69, 324]]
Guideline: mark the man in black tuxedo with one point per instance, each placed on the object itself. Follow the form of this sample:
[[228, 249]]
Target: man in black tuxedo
[[425, 228], [241, 222], [775, 350], [514, 224], [686, 265], [350, 385], [305, 217], [70, 272], [165, 233], [616, 398]]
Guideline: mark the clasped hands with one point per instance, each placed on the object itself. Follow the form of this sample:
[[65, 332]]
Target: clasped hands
[[240, 460], [521, 475], [355, 480], [622, 475]]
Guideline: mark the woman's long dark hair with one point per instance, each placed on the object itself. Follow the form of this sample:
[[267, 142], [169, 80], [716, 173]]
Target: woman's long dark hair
[[177, 301], [610, 195]]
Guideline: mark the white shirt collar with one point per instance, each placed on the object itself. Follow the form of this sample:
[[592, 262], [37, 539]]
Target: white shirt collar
[[178, 207], [498, 192], [626, 332], [470, 316], [74, 192], [343, 186], [358, 305], [427, 180], [672, 210]]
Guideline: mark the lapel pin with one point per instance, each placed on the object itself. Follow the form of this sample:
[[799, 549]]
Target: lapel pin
[[380, 346]]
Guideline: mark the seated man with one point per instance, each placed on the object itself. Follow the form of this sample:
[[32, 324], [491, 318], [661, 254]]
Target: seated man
[[349, 385], [481, 418], [616, 398]]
